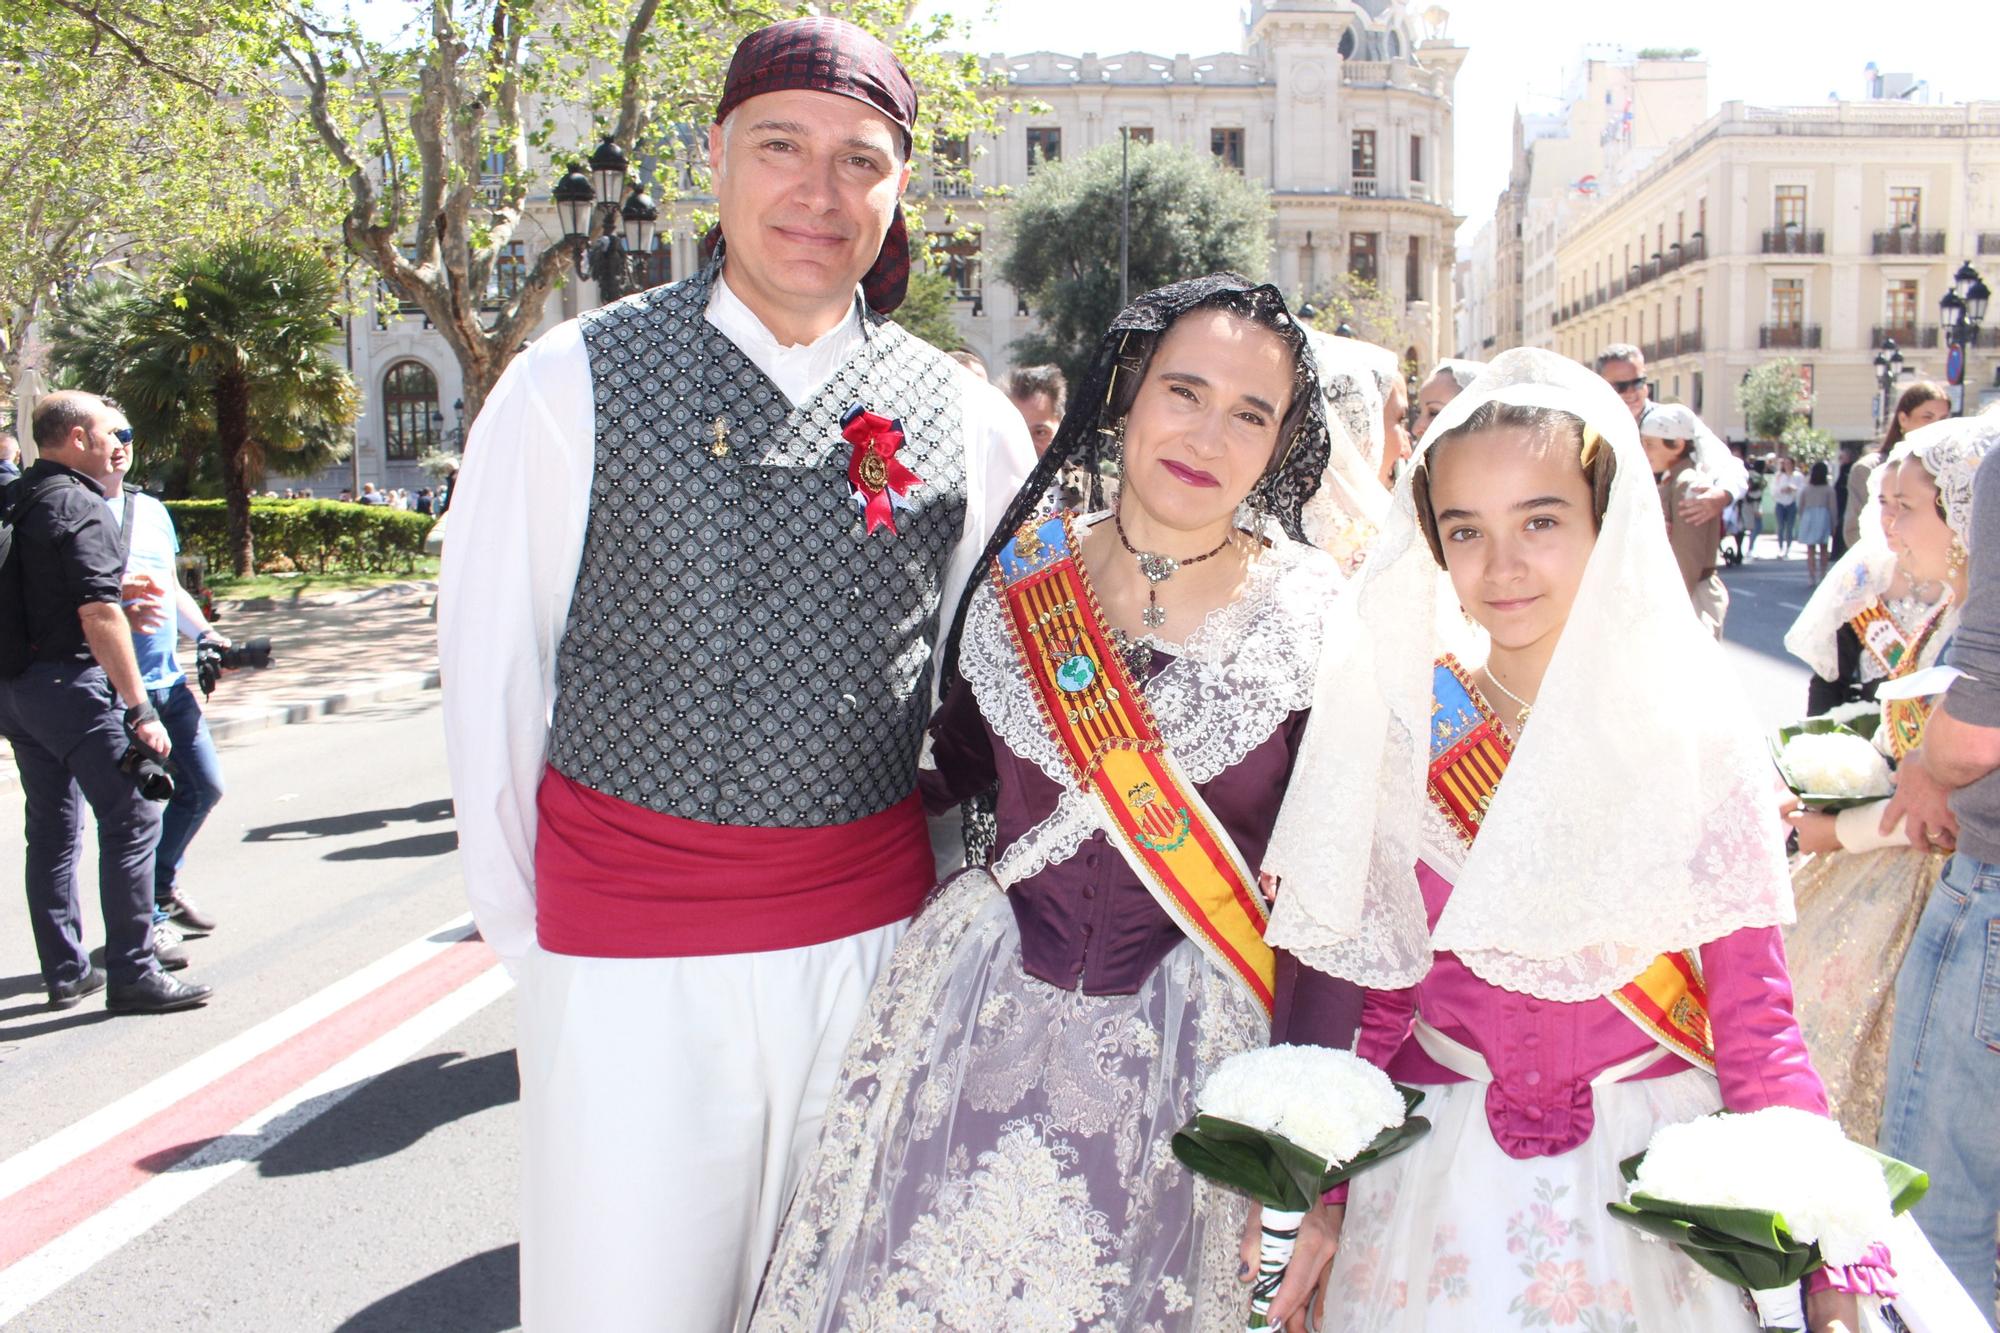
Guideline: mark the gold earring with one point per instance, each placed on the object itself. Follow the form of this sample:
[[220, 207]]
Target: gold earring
[[1958, 557]]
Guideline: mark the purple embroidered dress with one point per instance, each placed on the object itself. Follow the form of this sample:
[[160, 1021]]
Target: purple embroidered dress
[[1002, 1140]]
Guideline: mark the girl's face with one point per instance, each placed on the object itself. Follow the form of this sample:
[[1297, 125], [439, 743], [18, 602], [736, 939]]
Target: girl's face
[[1921, 539], [1204, 425], [1923, 414], [1514, 516]]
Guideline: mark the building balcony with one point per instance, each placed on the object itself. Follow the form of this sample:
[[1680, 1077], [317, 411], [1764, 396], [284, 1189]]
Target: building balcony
[[1674, 344], [1804, 336], [1617, 288], [1795, 241], [1362, 187], [1908, 241], [1906, 335]]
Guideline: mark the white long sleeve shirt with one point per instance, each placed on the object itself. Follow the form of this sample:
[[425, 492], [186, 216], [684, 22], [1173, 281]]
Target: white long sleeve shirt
[[515, 540]]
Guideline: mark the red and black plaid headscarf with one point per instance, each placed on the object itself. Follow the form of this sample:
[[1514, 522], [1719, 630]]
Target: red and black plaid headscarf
[[829, 55]]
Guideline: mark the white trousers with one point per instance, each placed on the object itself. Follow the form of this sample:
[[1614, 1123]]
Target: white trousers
[[668, 1106]]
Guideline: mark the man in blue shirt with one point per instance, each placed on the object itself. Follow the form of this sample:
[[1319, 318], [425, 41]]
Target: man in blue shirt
[[159, 616]]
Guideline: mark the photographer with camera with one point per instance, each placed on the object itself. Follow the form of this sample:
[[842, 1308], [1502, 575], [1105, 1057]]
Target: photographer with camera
[[160, 610], [75, 708]]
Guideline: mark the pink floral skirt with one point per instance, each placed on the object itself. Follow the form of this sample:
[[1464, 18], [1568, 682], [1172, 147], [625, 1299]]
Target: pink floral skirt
[[1456, 1235]]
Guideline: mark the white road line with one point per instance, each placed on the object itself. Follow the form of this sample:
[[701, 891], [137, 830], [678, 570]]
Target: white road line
[[77, 1250], [72, 1141]]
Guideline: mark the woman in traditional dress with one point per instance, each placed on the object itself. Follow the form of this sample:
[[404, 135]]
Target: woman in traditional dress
[[1886, 612], [1920, 404], [1826, 636], [1134, 682], [1585, 800]]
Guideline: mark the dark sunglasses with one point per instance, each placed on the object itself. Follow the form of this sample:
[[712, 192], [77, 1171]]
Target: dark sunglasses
[[123, 436], [1626, 386]]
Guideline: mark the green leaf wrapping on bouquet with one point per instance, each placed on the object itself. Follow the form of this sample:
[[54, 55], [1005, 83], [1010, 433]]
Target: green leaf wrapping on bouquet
[[1277, 1172], [1862, 728], [1748, 1246], [1246, 1159]]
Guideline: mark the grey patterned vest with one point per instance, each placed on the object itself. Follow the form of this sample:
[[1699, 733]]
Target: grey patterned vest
[[739, 649]]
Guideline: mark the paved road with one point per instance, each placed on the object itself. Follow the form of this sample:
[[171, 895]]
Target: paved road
[[330, 1144], [1765, 597]]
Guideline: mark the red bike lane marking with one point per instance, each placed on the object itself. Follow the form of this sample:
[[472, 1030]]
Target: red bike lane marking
[[85, 1186]]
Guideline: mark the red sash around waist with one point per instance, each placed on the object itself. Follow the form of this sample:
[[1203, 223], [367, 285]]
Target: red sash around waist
[[615, 880]]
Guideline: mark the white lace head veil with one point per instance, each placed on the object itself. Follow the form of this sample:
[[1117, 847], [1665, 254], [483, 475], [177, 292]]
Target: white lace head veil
[[1639, 813], [1951, 451], [1343, 516]]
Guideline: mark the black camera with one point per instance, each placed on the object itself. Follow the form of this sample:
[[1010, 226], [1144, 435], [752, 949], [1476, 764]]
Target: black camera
[[211, 659], [145, 768]]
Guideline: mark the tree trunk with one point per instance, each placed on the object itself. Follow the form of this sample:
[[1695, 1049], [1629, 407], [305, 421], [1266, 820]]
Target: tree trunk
[[232, 427]]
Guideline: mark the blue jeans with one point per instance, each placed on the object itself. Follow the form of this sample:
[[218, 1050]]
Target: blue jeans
[[68, 732], [1788, 521], [197, 781], [1944, 1070]]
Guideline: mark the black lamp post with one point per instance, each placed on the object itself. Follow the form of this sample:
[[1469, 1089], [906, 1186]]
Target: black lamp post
[[616, 256], [1888, 366], [1961, 311]]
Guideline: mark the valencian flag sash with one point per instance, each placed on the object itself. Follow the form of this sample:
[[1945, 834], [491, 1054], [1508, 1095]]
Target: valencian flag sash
[[1469, 754], [1113, 749], [1900, 654]]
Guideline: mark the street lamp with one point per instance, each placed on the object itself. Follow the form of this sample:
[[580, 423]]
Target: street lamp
[[607, 169], [613, 258], [1888, 366], [576, 200], [1961, 310]]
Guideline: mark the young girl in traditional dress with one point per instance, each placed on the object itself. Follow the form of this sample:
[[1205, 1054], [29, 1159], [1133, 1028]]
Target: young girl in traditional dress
[[1886, 612], [1135, 683], [1589, 946]]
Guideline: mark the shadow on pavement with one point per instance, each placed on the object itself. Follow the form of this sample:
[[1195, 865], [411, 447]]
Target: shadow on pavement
[[380, 1118], [391, 1112], [360, 821], [477, 1295], [90, 1011], [423, 844]]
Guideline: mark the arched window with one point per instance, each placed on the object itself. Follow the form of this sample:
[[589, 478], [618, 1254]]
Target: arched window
[[409, 398]]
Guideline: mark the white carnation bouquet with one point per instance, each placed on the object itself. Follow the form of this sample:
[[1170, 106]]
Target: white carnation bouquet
[[1285, 1125], [1830, 763], [1763, 1200]]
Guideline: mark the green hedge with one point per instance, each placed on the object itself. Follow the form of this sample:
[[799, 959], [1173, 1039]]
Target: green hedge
[[309, 536]]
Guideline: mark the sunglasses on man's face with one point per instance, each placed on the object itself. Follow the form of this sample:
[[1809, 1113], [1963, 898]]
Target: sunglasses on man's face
[[123, 436], [1626, 386]]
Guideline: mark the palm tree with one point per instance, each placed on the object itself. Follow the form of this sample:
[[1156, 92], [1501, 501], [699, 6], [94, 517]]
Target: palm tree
[[229, 349]]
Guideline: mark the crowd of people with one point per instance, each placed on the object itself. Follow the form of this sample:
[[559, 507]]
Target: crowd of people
[[1265, 721], [99, 712]]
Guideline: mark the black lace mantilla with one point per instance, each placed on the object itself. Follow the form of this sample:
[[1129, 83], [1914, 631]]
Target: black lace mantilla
[[739, 649]]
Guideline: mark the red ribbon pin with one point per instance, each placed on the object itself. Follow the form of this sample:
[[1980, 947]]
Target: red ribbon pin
[[881, 483]]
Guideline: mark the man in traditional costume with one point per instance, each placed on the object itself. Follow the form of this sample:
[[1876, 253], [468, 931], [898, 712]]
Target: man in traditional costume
[[689, 607]]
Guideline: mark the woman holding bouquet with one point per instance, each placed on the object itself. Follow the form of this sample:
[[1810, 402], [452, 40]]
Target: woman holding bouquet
[[1589, 946], [1134, 683], [1894, 599]]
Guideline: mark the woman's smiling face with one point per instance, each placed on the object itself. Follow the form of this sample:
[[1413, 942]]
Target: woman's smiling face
[[1204, 424]]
